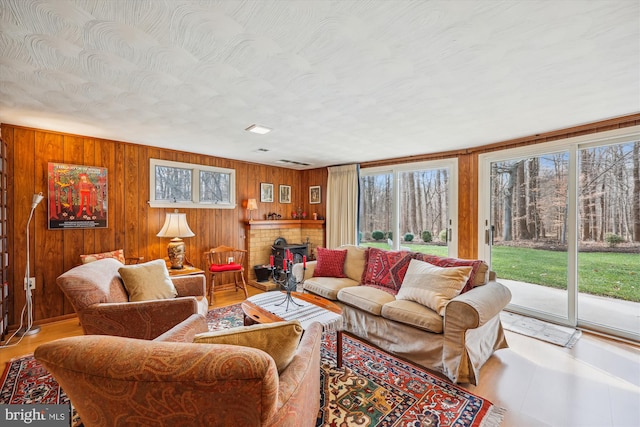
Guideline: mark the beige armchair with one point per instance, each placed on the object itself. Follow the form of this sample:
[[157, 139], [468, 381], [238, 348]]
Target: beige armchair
[[98, 295], [120, 381]]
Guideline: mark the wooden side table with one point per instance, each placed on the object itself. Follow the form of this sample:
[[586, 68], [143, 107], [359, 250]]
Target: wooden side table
[[187, 270]]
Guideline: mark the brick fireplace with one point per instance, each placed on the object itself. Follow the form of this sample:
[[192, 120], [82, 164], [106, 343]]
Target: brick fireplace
[[261, 235]]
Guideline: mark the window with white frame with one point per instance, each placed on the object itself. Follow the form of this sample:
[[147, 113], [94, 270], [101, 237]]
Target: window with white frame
[[188, 185], [410, 206]]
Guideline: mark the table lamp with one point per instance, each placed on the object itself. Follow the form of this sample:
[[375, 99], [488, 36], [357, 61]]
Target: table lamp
[[175, 226], [251, 206]]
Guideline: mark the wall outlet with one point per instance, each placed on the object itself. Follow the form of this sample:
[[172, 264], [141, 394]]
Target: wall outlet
[[31, 281]]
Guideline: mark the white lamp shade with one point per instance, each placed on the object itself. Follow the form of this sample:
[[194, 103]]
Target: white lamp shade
[[252, 205], [175, 225]]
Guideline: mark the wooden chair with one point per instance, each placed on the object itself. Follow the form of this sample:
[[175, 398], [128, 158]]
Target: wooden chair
[[225, 260]]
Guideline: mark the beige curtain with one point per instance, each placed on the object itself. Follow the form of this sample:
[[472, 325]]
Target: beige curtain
[[342, 206]]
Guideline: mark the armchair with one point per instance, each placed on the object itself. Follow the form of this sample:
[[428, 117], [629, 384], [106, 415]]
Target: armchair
[[121, 381], [98, 296]]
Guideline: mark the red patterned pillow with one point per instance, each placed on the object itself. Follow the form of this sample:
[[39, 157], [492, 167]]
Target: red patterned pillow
[[453, 262], [385, 269], [330, 263]]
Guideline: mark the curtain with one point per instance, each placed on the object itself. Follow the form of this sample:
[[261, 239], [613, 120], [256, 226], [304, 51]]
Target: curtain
[[342, 205]]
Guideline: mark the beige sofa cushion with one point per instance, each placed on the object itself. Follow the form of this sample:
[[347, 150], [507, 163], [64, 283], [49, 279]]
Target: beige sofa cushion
[[147, 281], [432, 286], [365, 298], [279, 340], [413, 314], [354, 264], [328, 287]]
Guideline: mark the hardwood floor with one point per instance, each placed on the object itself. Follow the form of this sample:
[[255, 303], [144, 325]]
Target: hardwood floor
[[596, 383]]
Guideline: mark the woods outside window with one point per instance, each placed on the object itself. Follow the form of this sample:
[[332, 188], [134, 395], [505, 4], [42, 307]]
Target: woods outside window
[[176, 184]]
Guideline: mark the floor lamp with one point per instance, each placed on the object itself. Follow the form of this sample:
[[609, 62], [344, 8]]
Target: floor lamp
[[29, 328]]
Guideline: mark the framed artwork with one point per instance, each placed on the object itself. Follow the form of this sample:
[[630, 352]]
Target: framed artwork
[[266, 192], [77, 196], [315, 196], [285, 194]]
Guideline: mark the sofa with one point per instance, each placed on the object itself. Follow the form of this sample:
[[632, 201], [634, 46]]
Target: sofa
[[122, 381], [98, 294], [456, 340]]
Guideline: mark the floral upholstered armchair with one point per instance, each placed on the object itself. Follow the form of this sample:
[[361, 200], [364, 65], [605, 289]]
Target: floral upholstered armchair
[[121, 381], [105, 306]]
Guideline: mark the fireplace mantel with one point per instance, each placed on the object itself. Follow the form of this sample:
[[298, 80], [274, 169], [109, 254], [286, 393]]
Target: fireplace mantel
[[257, 224]]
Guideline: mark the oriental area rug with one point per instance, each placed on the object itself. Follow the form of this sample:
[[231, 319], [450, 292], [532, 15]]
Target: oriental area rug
[[372, 388]]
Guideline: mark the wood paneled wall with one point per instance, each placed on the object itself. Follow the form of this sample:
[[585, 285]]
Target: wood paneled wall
[[132, 224]]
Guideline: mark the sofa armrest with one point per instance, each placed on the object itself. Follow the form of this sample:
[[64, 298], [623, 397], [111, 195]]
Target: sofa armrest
[[115, 378], [474, 308], [142, 319], [299, 386], [185, 330], [308, 273], [194, 285]]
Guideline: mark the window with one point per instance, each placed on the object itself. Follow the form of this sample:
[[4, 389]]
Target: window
[[186, 185], [410, 207]]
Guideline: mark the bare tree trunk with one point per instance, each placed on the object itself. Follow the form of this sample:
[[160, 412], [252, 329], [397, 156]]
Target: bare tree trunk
[[636, 191], [507, 231], [521, 202], [585, 167], [534, 215]]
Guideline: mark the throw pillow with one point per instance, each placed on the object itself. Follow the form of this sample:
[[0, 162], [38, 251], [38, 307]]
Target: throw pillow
[[117, 254], [385, 269], [432, 286], [478, 267], [279, 340], [147, 281], [330, 262]]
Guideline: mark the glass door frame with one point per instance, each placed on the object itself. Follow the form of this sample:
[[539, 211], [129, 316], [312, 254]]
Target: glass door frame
[[396, 170], [571, 146]]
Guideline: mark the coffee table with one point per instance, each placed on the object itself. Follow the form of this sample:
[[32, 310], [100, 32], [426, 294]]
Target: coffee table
[[264, 308]]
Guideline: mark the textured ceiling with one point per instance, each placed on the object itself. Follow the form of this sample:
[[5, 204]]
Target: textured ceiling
[[338, 81]]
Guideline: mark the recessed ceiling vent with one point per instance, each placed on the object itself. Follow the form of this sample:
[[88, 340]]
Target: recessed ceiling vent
[[292, 162]]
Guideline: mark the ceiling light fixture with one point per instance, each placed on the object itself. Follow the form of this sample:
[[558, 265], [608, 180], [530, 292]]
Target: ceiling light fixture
[[259, 129]]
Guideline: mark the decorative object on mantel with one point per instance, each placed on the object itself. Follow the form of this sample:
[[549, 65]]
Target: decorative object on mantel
[[299, 214], [251, 206], [285, 278], [175, 226], [273, 216]]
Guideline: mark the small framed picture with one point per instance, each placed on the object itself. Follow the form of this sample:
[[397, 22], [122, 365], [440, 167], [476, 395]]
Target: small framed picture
[[285, 194], [315, 196], [266, 192]]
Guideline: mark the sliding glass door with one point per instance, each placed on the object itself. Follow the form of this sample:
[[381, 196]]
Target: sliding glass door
[[561, 228], [410, 207], [528, 214]]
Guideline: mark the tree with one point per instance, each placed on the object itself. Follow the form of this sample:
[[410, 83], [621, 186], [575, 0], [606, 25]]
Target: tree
[[636, 191]]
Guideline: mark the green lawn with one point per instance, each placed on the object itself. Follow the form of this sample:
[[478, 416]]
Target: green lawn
[[615, 275]]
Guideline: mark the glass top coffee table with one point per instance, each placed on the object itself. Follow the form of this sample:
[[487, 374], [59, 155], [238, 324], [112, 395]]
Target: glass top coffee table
[[267, 308]]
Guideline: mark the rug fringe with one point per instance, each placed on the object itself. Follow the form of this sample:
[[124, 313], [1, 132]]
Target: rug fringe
[[494, 417]]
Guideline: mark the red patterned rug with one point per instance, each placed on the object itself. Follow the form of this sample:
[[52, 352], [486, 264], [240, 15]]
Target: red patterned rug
[[372, 389]]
